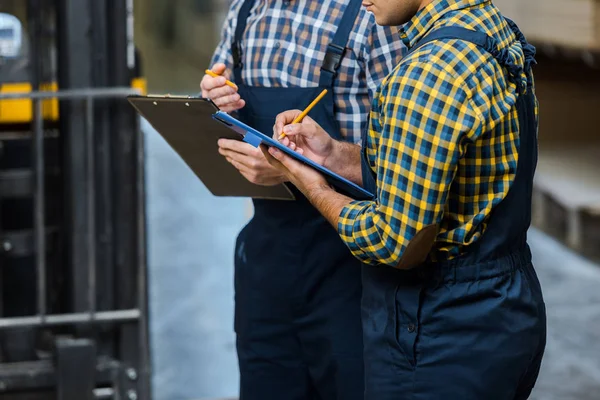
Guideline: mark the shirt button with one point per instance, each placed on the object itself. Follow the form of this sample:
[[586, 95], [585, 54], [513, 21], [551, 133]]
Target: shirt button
[[411, 328], [277, 45]]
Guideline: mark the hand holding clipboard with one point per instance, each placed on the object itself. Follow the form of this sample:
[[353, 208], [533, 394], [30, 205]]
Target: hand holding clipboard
[[257, 139]]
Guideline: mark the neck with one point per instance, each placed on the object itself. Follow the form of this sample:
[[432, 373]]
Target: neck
[[424, 3]]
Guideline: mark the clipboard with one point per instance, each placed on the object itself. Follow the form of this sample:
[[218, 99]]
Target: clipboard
[[256, 138], [188, 126]]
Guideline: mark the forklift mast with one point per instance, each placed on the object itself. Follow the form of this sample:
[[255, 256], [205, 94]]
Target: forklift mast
[[73, 291]]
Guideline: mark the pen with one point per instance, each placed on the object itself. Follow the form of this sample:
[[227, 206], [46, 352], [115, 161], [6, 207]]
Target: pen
[[303, 114], [227, 82]]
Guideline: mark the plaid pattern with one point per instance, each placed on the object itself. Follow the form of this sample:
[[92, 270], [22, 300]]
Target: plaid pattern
[[443, 139], [285, 42]]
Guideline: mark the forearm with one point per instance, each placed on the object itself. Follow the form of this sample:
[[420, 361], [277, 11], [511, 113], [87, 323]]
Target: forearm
[[361, 226], [362, 230], [329, 202], [345, 160]]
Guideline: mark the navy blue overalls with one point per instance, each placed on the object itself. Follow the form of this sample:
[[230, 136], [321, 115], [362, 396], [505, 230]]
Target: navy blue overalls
[[474, 327], [297, 286]]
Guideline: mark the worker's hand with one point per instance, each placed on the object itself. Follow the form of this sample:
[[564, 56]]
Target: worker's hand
[[251, 162], [308, 137], [225, 97], [305, 178]]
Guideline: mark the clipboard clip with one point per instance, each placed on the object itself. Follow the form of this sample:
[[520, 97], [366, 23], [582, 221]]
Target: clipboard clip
[[248, 136], [252, 139]]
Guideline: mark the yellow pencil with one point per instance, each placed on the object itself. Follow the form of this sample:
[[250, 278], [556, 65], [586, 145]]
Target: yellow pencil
[[227, 82], [303, 114]]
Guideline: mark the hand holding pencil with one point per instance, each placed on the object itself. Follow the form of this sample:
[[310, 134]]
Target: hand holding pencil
[[227, 81], [303, 134], [216, 86], [304, 113]]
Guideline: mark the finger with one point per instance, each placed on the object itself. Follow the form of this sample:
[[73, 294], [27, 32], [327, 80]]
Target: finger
[[270, 159], [226, 100], [246, 173], [240, 167], [210, 83], [239, 157], [202, 85], [232, 154], [226, 153], [294, 130], [219, 68], [288, 162], [233, 106], [292, 146], [222, 70], [307, 128], [285, 141], [285, 118], [248, 162], [221, 91], [238, 146]]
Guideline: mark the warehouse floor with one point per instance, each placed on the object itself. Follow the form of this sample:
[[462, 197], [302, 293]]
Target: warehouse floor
[[191, 242]]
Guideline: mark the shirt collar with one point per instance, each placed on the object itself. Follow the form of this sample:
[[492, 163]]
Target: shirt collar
[[415, 29]]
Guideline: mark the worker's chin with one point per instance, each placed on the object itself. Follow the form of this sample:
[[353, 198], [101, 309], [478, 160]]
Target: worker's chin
[[385, 19]]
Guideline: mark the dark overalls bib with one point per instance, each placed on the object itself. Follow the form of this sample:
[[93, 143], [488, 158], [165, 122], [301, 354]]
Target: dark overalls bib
[[472, 328], [298, 288]]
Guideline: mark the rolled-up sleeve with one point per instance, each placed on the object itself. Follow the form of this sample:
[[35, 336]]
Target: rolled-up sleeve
[[424, 123]]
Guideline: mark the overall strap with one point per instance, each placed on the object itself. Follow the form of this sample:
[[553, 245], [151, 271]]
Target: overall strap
[[487, 43], [337, 48], [528, 49], [456, 32], [511, 218], [236, 46], [450, 32]]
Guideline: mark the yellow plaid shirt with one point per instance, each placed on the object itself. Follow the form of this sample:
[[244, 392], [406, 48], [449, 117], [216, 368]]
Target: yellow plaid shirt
[[443, 138]]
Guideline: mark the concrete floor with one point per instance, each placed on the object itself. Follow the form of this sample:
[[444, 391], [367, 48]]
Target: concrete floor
[[191, 242], [571, 366]]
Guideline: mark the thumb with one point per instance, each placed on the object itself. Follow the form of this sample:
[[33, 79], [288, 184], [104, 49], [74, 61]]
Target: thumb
[[292, 130], [305, 128], [286, 117], [219, 68], [269, 157]]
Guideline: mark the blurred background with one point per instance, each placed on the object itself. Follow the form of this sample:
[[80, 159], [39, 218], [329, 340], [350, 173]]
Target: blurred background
[[133, 298]]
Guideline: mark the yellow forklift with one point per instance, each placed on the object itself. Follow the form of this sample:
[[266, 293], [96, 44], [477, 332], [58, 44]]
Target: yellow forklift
[[73, 296], [15, 75]]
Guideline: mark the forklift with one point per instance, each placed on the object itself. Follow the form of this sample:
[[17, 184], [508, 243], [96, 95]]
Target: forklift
[[73, 284]]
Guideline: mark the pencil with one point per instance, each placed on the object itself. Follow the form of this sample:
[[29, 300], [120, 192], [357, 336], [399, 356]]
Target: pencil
[[303, 114], [227, 82]]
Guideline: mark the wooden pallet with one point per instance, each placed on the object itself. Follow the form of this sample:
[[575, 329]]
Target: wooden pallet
[[590, 231], [566, 199], [578, 228]]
